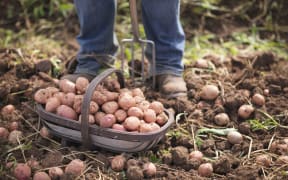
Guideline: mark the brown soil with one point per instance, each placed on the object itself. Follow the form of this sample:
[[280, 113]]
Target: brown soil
[[238, 78]]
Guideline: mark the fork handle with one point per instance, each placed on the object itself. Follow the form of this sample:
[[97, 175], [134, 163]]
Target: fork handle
[[134, 20]]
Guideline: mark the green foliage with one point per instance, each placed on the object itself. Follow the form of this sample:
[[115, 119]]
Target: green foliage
[[267, 124], [33, 10], [238, 42]]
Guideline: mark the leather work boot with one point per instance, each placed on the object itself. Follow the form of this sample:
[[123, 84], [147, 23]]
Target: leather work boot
[[171, 86], [73, 77], [105, 61]]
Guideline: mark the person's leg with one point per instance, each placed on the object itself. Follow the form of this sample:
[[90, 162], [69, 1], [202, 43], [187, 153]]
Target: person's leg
[[96, 18], [162, 25]]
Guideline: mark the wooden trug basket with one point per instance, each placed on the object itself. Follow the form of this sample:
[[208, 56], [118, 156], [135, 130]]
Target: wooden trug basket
[[93, 135]]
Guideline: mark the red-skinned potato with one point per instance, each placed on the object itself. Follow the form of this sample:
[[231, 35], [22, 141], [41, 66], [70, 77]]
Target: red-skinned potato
[[112, 84], [111, 96], [209, 92], [205, 170], [41, 96], [266, 92], [221, 119], [110, 107], [126, 101], [99, 115], [264, 160], [139, 99], [14, 136], [154, 126], [81, 85], [67, 86], [44, 132], [144, 105], [68, 99], [245, 111], [75, 167], [22, 171], [107, 121], [137, 92], [59, 95], [120, 115], [66, 112], [13, 126], [196, 155], [234, 137], [33, 164], [149, 169], [149, 115], [52, 104], [135, 111], [52, 91], [131, 123], [78, 103], [118, 127], [93, 107], [3, 133], [99, 97], [118, 163], [41, 176], [145, 127], [7, 110], [91, 119], [258, 99], [161, 119], [157, 107], [55, 172]]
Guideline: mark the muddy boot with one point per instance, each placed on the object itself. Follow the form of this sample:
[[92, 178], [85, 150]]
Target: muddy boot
[[171, 86], [73, 77]]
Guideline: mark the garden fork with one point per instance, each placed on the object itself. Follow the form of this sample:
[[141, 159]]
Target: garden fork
[[142, 42]]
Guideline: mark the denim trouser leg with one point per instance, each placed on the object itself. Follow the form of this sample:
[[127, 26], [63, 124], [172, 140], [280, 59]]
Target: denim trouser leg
[[162, 25], [96, 18]]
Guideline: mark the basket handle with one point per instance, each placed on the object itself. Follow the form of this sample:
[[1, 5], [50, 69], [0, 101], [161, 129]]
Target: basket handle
[[85, 108]]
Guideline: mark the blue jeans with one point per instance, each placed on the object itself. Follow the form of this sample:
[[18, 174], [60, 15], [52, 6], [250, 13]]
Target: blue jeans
[[161, 22]]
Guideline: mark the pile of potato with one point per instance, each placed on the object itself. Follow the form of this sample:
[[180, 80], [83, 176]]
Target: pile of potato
[[110, 107]]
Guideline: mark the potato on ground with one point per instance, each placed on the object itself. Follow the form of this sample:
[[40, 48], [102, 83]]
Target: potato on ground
[[22, 171], [55, 172], [118, 163], [3, 133], [41, 176], [14, 136], [75, 167]]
